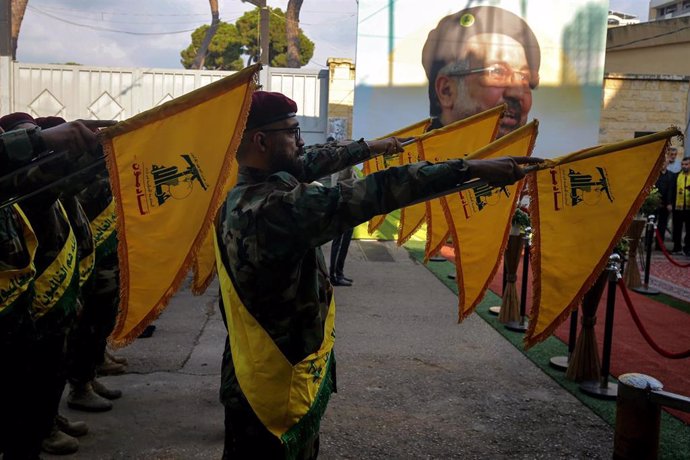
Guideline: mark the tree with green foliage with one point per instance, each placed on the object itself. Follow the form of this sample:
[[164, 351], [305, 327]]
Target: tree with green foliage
[[231, 41], [248, 26], [224, 51]]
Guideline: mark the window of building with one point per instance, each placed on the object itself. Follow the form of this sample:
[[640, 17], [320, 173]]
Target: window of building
[[686, 4]]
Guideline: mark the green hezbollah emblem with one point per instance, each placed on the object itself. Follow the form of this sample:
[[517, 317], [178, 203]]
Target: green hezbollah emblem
[[467, 20], [288, 399], [165, 178]]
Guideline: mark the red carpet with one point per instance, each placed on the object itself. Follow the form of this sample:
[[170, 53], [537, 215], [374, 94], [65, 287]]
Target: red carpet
[[670, 329], [669, 278]]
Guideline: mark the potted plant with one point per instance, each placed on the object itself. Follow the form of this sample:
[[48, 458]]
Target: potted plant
[[520, 221], [651, 204]]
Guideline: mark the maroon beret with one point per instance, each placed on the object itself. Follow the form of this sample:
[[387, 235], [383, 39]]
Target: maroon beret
[[269, 107], [49, 122], [9, 122]]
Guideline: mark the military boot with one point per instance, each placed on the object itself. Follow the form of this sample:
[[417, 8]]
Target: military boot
[[118, 359], [110, 367], [82, 397], [59, 443], [104, 391], [74, 429]]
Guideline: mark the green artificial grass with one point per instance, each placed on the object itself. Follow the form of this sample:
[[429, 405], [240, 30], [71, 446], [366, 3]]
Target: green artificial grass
[[675, 435], [672, 302]]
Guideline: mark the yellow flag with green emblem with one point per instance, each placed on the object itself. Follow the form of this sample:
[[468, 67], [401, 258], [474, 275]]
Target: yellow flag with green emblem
[[581, 205], [451, 142], [484, 127], [169, 169], [380, 162], [480, 221]]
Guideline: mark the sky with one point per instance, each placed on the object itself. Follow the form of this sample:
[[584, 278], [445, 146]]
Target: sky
[[151, 33]]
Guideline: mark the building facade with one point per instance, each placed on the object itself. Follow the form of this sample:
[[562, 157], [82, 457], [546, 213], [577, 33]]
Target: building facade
[[668, 9], [647, 79]]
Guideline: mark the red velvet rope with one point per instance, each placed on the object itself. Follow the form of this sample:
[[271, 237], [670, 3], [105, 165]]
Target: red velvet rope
[[643, 331], [665, 251]]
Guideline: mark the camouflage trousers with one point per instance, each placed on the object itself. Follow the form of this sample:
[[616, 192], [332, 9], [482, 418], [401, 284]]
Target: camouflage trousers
[[88, 338], [18, 436], [32, 362]]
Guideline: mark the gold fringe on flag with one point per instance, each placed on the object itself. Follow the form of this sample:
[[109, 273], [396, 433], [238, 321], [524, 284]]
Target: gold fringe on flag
[[168, 168]]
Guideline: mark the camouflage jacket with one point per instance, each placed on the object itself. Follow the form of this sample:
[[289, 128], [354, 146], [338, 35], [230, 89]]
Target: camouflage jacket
[[97, 195], [42, 210], [19, 177], [272, 226]]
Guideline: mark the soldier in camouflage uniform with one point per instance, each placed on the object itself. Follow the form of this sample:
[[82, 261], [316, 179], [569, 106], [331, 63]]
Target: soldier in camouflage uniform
[[53, 221], [34, 341], [272, 226], [101, 301], [17, 335], [89, 207]]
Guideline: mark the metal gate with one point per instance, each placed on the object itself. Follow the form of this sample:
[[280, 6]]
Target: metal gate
[[73, 91]]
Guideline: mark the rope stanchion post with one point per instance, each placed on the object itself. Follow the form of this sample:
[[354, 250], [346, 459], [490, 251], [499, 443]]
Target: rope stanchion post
[[522, 324], [631, 274], [638, 419], [509, 310], [560, 363], [603, 389], [648, 240], [584, 363]]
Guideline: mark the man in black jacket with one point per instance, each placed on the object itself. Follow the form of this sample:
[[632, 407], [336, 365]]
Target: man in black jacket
[[665, 186]]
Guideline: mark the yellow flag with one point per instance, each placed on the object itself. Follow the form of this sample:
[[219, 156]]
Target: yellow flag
[[380, 162], [169, 168], [480, 220], [472, 134], [204, 267], [580, 208], [411, 217], [450, 142]]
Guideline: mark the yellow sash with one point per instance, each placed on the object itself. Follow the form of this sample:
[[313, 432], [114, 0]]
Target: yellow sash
[[682, 192], [55, 281], [86, 262], [104, 225], [284, 397], [86, 266], [14, 283]]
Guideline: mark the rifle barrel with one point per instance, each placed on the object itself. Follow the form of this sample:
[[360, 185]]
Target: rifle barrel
[[97, 163]]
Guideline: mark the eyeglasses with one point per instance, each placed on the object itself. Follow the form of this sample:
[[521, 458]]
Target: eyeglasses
[[295, 131], [496, 75]]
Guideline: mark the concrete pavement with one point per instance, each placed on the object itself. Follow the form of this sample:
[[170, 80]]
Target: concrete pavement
[[412, 382]]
